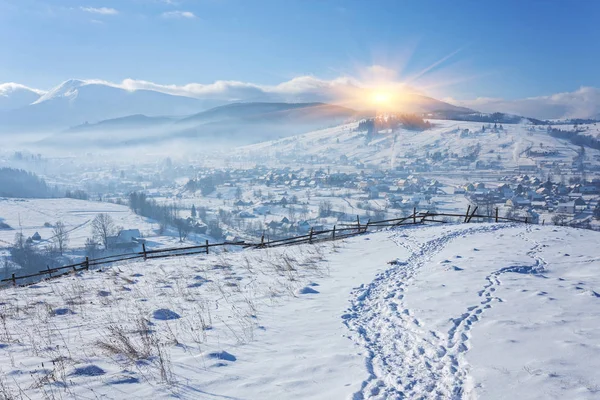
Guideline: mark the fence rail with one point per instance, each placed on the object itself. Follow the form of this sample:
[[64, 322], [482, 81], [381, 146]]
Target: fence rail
[[347, 230]]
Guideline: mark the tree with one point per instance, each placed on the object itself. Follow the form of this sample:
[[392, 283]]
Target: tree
[[103, 227], [238, 193], [325, 208], [91, 248], [292, 214], [559, 219], [60, 237], [183, 228], [215, 230], [304, 212], [193, 211]]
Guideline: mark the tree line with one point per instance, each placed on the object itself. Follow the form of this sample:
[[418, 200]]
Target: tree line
[[20, 183]]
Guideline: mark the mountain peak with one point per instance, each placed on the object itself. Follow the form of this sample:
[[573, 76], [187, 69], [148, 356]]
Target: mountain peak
[[66, 89]]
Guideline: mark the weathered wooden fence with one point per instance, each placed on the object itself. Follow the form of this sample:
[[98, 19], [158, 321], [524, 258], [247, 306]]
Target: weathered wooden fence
[[313, 236]]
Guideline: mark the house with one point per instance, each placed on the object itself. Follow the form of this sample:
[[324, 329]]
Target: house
[[533, 217], [246, 214], [36, 237], [579, 204], [233, 239], [566, 208], [373, 192], [303, 226], [262, 210], [242, 203], [589, 189], [200, 228], [126, 239], [274, 225], [518, 202]]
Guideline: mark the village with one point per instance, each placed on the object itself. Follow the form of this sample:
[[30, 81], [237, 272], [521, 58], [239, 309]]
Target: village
[[320, 180]]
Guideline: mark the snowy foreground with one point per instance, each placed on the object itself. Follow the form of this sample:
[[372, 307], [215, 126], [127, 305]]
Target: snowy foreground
[[451, 311]]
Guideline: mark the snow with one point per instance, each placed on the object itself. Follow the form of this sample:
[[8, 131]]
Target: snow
[[450, 311], [386, 151], [29, 216]]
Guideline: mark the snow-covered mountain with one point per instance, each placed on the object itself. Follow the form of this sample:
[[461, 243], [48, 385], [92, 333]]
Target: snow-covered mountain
[[76, 102], [14, 95]]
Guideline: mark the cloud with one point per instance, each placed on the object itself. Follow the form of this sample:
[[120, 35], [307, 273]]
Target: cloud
[[179, 14], [581, 103], [101, 10], [10, 87]]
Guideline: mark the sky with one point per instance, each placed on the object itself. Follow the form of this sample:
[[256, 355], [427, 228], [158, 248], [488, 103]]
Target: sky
[[461, 50]]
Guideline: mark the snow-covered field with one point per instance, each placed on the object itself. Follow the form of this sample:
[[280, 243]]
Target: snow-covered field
[[451, 311], [30, 215]]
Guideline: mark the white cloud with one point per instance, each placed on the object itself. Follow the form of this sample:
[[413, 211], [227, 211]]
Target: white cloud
[[581, 103], [7, 88], [179, 14], [101, 10]]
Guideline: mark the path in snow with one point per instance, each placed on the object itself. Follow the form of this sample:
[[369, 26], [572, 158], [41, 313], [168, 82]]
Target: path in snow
[[404, 359]]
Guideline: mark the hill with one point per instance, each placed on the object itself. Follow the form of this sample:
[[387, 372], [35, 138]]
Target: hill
[[446, 146], [452, 311], [75, 102], [232, 124]]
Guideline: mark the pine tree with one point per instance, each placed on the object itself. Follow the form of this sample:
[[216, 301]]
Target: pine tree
[[193, 211]]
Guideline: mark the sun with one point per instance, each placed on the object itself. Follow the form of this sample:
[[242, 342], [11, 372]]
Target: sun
[[381, 98]]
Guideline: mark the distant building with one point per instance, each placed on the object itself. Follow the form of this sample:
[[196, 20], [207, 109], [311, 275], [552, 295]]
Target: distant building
[[566, 208], [36, 237], [126, 239]]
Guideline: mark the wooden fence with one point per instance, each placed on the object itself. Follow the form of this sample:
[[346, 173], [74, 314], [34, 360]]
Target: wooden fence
[[313, 236]]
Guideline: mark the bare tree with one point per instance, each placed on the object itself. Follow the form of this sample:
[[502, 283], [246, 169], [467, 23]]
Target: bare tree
[[292, 214], [103, 226], [304, 212], [91, 248], [60, 237], [183, 228], [325, 208]]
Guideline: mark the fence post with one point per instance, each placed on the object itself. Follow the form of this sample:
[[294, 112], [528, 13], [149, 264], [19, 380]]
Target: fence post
[[87, 263], [367, 225], [496, 214], [333, 235], [206, 246], [525, 219], [311, 235], [543, 222], [14, 280], [358, 222], [414, 215], [472, 214], [467, 214], [74, 268], [144, 250], [49, 273], [262, 240]]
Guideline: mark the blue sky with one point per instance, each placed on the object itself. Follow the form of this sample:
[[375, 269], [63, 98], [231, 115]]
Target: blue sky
[[506, 49]]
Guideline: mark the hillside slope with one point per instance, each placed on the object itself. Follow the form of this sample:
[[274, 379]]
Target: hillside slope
[[450, 311], [452, 139]]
